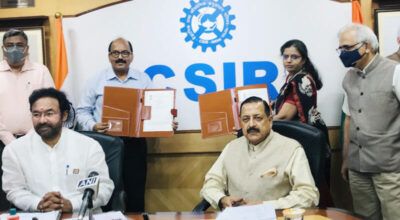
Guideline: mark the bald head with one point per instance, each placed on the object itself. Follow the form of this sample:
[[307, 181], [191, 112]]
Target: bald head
[[120, 39], [120, 56]]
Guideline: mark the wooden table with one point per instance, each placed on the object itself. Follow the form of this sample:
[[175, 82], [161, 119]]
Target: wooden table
[[331, 213]]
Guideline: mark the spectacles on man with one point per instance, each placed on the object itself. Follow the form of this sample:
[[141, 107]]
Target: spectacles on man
[[292, 57], [47, 114], [349, 47], [116, 53], [10, 46]]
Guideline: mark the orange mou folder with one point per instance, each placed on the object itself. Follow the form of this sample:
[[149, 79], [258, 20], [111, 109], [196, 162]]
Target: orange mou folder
[[219, 111], [139, 112]]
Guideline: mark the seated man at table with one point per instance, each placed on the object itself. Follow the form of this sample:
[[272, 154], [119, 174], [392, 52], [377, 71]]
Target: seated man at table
[[260, 167], [41, 170]]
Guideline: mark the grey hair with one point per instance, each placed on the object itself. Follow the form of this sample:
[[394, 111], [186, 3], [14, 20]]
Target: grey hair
[[363, 34], [14, 32]]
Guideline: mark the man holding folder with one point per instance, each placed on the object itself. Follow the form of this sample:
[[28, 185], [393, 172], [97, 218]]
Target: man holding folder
[[89, 112]]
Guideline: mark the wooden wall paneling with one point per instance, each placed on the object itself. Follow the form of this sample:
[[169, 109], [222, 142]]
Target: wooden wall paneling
[[184, 142], [174, 180]]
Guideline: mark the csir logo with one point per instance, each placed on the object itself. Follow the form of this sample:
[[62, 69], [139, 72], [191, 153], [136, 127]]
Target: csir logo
[[207, 24]]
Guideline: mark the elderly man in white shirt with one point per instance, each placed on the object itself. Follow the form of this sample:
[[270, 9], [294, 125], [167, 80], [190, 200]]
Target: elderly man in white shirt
[[260, 167], [41, 170]]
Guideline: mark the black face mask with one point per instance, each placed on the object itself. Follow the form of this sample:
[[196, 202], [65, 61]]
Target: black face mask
[[349, 58]]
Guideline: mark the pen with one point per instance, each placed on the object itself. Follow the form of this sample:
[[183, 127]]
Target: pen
[[66, 169]]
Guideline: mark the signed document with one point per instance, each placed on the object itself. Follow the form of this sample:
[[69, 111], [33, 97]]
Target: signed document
[[161, 103], [139, 112]]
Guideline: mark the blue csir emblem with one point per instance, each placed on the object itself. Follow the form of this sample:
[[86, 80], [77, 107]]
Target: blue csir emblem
[[207, 24]]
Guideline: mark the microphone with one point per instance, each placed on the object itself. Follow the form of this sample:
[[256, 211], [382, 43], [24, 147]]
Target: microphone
[[90, 187]]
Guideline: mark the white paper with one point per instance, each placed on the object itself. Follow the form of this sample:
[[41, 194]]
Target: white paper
[[246, 93], [39, 215], [115, 215], [251, 212], [161, 103]]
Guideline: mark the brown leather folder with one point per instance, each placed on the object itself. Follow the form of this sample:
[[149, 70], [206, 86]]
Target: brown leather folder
[[125, 111], [219, 111]]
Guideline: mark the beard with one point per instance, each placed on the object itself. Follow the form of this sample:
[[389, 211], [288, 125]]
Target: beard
[[48, 131]]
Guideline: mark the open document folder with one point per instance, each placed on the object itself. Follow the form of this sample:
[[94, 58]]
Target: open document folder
[[139, 112], [219, 111]]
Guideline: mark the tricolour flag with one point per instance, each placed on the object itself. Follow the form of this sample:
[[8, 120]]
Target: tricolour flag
[[356, 14], [61, 62]]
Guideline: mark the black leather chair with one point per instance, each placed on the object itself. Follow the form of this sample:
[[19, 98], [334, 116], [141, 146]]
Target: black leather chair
[[314, 144], [114, 150]]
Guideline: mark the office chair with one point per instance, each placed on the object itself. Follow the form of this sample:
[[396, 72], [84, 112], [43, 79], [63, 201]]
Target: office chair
[[113, 148], [314, 144]]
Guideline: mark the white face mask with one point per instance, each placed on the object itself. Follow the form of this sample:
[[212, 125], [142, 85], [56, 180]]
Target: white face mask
[[14, 55]]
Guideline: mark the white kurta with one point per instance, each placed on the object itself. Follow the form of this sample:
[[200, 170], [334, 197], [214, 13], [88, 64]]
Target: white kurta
[[32, 168]]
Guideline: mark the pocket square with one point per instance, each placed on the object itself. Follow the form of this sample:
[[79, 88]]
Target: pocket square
[[270, 172]]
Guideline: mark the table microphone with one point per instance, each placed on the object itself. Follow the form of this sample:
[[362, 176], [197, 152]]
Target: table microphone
[[90, 187]]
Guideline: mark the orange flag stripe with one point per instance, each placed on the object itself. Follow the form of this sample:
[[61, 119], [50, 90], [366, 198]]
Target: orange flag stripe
[[356, 14], [61, 62]]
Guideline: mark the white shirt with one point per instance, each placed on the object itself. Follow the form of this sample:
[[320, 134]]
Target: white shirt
[[395, 85], [31, 169]]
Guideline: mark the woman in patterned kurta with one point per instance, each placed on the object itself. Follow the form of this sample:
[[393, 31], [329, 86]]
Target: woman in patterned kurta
[[297, 99]]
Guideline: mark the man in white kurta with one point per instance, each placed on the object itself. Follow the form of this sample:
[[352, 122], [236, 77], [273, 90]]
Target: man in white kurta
[[42, 169], [260, 167]]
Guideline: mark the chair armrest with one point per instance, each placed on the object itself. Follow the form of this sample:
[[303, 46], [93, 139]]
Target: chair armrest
[[202, 206], [119, 202]]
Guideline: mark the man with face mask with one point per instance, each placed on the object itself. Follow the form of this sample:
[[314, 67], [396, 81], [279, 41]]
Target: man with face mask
[[371, 148], [18, 78]]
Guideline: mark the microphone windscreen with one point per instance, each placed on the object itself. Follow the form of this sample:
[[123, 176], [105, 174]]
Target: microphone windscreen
[[93, 173]]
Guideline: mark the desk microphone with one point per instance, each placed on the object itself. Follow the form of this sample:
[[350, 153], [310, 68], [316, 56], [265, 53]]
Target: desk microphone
[[90, 187]]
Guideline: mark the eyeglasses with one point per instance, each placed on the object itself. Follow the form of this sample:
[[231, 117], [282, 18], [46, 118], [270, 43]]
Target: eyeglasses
[[348, 47], [47, 114], [10, 47], [116, 53], [292, 57]]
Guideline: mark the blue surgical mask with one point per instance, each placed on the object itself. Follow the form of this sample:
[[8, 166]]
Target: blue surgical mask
[[14, 55], [349, 58]]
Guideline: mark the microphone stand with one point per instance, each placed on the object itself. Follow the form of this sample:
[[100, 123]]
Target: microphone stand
[[86, 204], [90, 207]]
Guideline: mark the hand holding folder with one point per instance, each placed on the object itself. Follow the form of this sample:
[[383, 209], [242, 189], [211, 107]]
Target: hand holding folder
[[219, 111], [139, 112]]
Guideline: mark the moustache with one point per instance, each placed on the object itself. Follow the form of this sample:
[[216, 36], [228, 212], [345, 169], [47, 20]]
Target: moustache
[[120, 61], [252, 129], [43, 126]]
